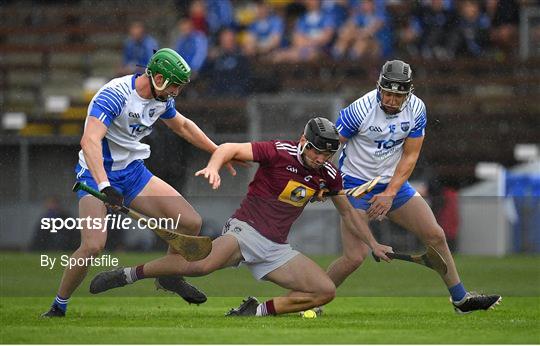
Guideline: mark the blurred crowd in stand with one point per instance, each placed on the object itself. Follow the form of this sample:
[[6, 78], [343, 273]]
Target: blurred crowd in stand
[[216, 36]]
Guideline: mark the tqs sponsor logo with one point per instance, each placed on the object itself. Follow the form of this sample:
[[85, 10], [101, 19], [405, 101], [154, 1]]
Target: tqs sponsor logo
[[389, 143]]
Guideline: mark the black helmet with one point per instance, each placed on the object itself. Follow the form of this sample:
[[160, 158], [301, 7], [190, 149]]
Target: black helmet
[[396, 77], [322, 134]]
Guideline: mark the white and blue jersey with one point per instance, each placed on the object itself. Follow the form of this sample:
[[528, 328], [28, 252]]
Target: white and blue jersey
[[375, 141], [194, 49], [129, 118]]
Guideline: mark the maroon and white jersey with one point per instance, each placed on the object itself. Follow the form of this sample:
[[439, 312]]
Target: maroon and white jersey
[[281, 188]]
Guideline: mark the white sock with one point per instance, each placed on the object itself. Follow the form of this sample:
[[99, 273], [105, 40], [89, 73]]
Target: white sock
[[127, 273], [261, 310]]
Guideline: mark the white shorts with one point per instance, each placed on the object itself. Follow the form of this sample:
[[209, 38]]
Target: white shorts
[[261, 255]]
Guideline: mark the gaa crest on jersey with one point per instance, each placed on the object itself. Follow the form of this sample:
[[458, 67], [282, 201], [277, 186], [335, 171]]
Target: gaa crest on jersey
[[296, 194], [405, 126], [151, 112]]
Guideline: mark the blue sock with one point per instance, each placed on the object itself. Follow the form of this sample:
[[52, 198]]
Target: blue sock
[[457, 292], [61, 302]]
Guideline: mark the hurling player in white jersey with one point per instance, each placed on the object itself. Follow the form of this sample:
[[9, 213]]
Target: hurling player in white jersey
[[383, 132], [111, 160]]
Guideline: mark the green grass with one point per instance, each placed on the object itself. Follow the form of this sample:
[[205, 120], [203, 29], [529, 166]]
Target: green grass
[[381, 303], [346, 320]]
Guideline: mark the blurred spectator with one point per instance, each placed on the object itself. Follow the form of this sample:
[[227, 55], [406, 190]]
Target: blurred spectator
[[229, 70], [504, 16], [219, 14], [138, 48], [64, 239], [359, 36], [192, 45], [438, 26], [197, 13], [406, 27], [291, 13], [312, 35], [264, 35], [473, 30], [337, 9]]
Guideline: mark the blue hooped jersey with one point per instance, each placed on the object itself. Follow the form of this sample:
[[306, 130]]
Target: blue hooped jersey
[[375, 139], [129, 118]]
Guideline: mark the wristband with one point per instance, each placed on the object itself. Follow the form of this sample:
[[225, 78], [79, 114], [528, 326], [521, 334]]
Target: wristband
[[103, 185]]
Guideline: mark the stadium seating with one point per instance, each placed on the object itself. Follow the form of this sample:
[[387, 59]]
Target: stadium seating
[[477, 109]]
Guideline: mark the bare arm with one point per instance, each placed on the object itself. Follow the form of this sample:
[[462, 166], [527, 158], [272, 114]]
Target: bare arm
[[94, 132], [354, 222], [382, 202], [225, 153], [405, 167]]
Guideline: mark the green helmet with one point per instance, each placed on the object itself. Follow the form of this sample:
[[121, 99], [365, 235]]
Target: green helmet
[[171, 65]]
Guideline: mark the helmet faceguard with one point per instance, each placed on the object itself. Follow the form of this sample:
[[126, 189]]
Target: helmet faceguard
[[321, 134], [395, 77], [173, 68]]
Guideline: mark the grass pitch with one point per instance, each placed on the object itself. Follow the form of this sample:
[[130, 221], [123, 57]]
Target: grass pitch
[[381, 303]]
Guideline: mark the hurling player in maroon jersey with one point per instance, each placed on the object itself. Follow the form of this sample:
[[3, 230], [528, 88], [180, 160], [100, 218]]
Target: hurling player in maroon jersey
[[290, 174]]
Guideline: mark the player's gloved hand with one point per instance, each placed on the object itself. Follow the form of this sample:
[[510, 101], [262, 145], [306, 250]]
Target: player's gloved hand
[[380, 251], [380, 205], [114, 198]]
